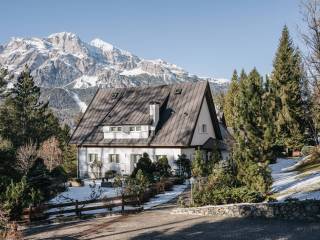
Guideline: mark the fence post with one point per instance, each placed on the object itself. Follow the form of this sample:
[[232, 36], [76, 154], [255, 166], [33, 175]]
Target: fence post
[[30, 212], [122, 203], [77, 208]]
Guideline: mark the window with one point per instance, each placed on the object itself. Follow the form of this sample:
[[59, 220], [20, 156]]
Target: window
[[135, 128], [115, 129], [135, 158], [93, 157], [203, 128], [114, 158], [132, 129]]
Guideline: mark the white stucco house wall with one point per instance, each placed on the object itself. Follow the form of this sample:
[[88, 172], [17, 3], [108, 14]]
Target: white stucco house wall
[[121, 124]]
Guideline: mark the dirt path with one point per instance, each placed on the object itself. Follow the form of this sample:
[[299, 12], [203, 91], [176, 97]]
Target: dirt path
[[159, 223]]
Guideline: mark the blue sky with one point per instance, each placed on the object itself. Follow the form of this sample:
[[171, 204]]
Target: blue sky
[[207, 38]]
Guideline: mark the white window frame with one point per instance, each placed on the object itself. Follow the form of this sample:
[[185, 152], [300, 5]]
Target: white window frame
[[132, 128], [115, 129], [116, 160], [96, 157], [135, 129]]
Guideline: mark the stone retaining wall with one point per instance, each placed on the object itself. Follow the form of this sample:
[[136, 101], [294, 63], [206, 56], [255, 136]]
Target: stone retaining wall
[[308, 209]]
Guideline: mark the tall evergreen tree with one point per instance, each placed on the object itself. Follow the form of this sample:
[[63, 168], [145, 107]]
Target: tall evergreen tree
[[286, 85], [250, 115], [250, 152], [230, 100], [268, 122], [23, 117]]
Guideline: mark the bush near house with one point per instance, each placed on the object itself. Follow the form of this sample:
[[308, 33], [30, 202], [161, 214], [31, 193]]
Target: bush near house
[[224, 185], [146, 166]]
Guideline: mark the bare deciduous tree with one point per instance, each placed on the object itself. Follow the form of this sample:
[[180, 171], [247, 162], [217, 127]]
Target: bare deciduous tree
[[311, 36], [26, 156], [51, 153]]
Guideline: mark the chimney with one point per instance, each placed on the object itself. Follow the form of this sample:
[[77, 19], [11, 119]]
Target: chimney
[[154, 114]]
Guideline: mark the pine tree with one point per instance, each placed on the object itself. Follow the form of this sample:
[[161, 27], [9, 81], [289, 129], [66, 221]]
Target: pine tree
[[3, 82], [250, 153], [268, 123], [198, 168], [23, 117], [70, 160], [249, 122], [230, 100], [286, 84]]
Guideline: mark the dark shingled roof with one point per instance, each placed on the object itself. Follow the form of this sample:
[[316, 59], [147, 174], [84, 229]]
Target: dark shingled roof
[[125, 106]]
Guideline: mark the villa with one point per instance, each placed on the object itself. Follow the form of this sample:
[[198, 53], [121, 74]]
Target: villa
[[121, 124]]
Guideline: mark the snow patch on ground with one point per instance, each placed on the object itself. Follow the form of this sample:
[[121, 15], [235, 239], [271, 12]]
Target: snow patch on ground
[[294, 184], [165, 197], [83, 193]]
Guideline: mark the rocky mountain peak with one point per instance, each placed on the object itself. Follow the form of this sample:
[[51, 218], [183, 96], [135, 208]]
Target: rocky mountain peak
[[69, 70], [106, 47]]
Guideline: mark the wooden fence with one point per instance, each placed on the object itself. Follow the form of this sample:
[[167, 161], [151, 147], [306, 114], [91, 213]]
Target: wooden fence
[[45, 211], [77, 208]]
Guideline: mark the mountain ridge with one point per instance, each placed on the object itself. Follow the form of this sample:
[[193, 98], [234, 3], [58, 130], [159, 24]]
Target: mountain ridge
[[63, 61]]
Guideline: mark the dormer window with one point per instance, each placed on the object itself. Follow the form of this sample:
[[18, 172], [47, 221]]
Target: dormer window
[[126, 132], [132, 129], [115, 129], [135, 128]]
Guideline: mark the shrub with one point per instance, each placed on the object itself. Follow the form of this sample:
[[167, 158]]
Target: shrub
[[16, 198], [137, 186], [184, 165], [59, 174], [110, 174], [146, 166], [226, 196], [181, 202], [162, 167], [221, 178], [198, 165], [39, 177], [256, 176]]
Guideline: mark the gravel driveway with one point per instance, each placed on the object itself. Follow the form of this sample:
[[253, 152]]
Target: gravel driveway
[[158, 223]]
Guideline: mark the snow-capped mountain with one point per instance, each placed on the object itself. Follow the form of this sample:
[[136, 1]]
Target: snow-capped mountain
[[69, 70]]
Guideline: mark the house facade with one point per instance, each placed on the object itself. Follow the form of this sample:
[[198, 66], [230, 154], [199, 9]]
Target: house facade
[[121, 124]]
